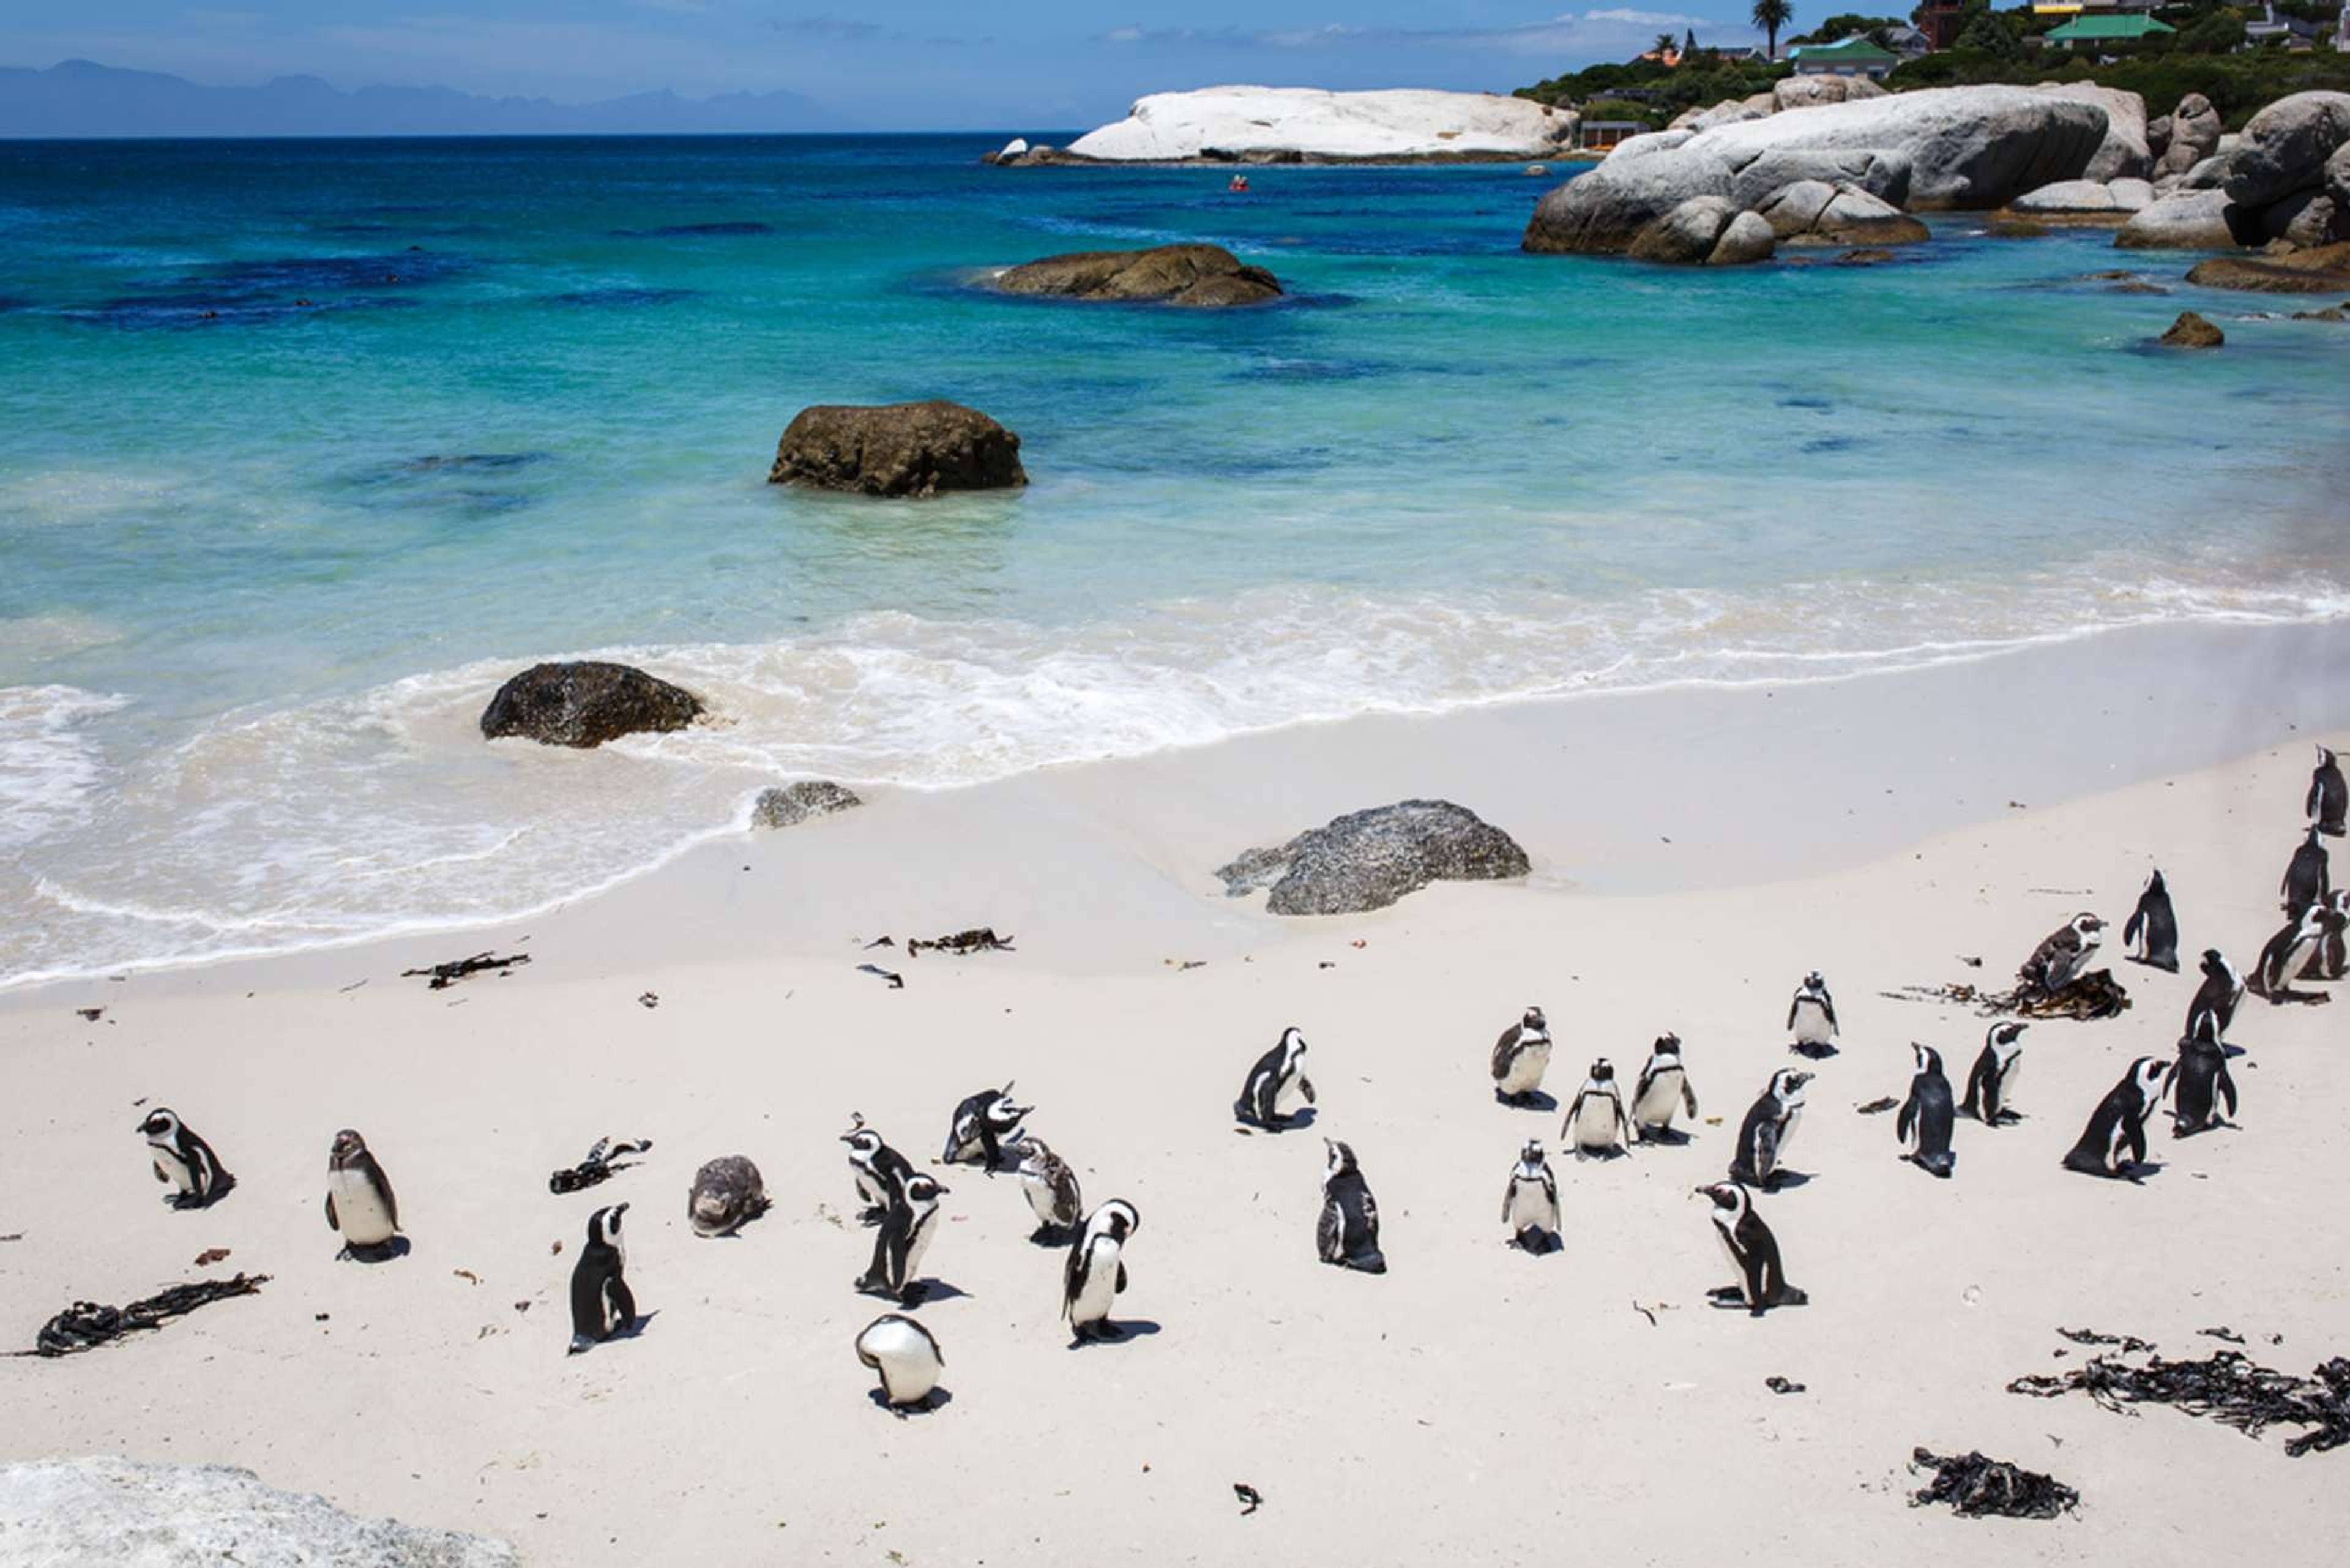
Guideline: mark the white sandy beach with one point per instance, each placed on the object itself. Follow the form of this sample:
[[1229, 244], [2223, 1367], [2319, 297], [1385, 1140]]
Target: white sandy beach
[[1695, 852]]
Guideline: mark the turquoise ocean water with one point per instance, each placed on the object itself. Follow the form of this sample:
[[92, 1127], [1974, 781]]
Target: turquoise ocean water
[[262, 562]]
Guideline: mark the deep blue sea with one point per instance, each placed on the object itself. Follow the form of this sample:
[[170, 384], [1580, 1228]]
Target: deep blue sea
[[305, 446]]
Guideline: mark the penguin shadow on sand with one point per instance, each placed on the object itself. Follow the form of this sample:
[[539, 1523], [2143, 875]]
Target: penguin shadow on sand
[[1114, 1331], [381, 1253], [937, 1399], [1299, 1120], [1539, 1100]]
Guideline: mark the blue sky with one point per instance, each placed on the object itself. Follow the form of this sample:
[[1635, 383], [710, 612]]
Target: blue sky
[[897, 63]]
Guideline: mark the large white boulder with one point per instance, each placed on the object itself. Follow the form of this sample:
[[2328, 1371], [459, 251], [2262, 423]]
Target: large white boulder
[[2195, 130], [1315, 123], [2182, 221], [1604, 210], [2123, 153], [2285, 148], [2085, 198], [1810, 92]]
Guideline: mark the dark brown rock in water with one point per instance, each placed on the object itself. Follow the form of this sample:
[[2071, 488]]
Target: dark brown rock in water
[[897, 450], [1193, 276], [2137, 285], [2191, 331], [1369, 859], [1865, 257], [790, 804], [585, 703], [2322, 269], [2330, 313], [2018, 229]]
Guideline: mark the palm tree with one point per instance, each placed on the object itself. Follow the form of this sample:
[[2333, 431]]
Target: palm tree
[[1666, 43], [1771, 15]]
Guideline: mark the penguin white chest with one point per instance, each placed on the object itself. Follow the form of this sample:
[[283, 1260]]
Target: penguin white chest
[[2003, 1084], [1656, 1107], [1737, 1263], [1787, 1126], [1594, 1123], [174, 1169], [359, 1210], [1810, 1024], [1040, 1197], [1526, 1068], [1288, 1096], [1100, 1288], [908, 1367], [924, 1229], [1530, 1206]]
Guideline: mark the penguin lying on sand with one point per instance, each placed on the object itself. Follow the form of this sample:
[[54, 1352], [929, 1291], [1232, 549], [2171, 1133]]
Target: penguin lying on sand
[[2118, 1124], [981, 1124]]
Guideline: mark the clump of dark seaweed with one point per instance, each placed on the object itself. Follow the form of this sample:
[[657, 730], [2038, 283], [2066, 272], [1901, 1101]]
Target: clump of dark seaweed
[[1981, 1488], [2086, 1000], [602, 1164], [85, 1325], [2225, 1386]]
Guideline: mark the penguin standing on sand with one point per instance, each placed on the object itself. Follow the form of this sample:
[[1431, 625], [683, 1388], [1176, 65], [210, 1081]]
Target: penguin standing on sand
[[1991, 1084], [1927, 1116], [1769, 1123], [2064, 955], [1662, 1089], [1095, 1275], [2331, 959], [2152, 930], [2290, 951], [905, 1235], [981, 1124], [2308, 876], [1520, 1058], [1811, 1018], [1530, 1204], [359, 1201], [1275, 1085], [2200, 1083], [602, 1304], [2329, 797], [1596, 1121], [1347, 1234], [1753, 1251], [2214, 1007], [882, 1171], [1052, 1190], [906, 1356], [2118, 1124], [184, 1161]]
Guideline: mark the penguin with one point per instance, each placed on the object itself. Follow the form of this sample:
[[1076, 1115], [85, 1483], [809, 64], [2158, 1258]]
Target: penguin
[[1348, 1232], [2152, 928], [2214, 1007], [880, 1170], [981, 1122], [2290, 951], [1769, 1123], [1275, 1084], [727, 1194], [2064, 955], [905, 1235], [1052, 1190], [1811, 1018], [1924, 1124], [1096, 1273], [2329, 798], [907, 1356], [359, 1201], [2331, 959], [1753, 1251], [2199, 1083], [1991, 1084], [601, 1305], [2307, 876], [185, 1161], [1530, 1203], [1596, 1122], [1662, 1089], [1520, 1058], [2120, 1123]]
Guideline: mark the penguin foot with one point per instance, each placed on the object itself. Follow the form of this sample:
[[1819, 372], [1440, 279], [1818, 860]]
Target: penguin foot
[[911, 1296]]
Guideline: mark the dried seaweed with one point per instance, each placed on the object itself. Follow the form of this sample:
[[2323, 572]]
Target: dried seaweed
[[600, 1166], [444, 975], [1778, 1385], [1983, 1487], [897, 981], [2225, 1386], [1877, 1107], [979, 940], [85, 1325], [2093, 996]]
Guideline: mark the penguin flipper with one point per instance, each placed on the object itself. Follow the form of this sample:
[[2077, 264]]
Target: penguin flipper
[[332, 1222], [2136, 924], [1688, 1096], [1827, 1005], [158, 1174], [2227, 1086], [621, 1304], [1766, 1149], [1905, 1125], [1121, 1279], [2136, 1130], [1329, 1232]]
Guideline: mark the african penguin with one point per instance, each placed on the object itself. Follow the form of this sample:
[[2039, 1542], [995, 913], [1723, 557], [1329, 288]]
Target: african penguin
[[2152, 928], [2064, 955], [1811, 1018], [2329, 798], [1530, 1203], [1275, 1085], [2214, 1007], [1662, 1089], [1052, 1190], [359, 1201], [906, 1356], [1925, 1122], [1991, 1084], [1770, 1124], [905, 1235], [1347, 1234], [601, 1305], [727, 1194], [2120, 1123], [2290, 951], [1596, 1122], [1096, 1273], [2307, 876], [1753, 1251], [880, 1170], [183, 1160], [2331, 959], [2200, 1083], [981, 1122], [1520, 1058]]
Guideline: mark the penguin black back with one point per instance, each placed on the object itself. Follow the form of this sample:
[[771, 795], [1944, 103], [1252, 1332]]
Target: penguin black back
[[2308, 876], [2152, 931], [2199, 1084], [601, 1303], [1925, 1122], [2329, 796], [2118, 1127], [1348, 1232]]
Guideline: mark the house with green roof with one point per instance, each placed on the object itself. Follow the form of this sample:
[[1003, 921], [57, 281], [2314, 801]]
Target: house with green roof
[[2095, 30], [1857, 56]]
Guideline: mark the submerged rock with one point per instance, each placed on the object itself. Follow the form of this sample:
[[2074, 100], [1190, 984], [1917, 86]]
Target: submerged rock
[[2192, 331], [2324, 270], [897, 450], [129, 1514], [1369, 859], [1198, 276], [585, 702], [786, 805]]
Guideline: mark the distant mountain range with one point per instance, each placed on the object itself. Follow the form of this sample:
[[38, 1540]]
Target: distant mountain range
[[80, 98]]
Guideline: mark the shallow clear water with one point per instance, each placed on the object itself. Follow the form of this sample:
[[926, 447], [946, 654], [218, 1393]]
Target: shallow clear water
[[262, 563]]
